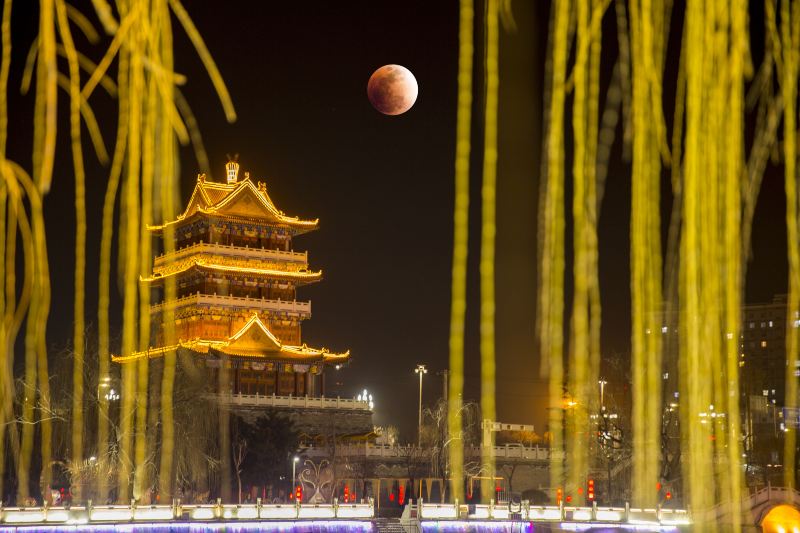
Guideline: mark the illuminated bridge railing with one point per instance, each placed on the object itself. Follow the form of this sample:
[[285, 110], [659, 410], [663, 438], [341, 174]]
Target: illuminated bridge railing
[[20, 516], [669, 518], [293, 402]]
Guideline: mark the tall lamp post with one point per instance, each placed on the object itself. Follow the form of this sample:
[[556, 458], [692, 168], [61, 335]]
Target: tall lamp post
[[295, 460], [420, 370], [602, 384]]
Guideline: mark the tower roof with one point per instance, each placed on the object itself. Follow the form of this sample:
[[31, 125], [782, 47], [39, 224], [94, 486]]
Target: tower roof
[[202, 263], [253, 340], [240, 199]]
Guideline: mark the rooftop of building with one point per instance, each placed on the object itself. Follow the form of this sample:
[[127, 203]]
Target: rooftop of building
[[253, 340], [237, 198]]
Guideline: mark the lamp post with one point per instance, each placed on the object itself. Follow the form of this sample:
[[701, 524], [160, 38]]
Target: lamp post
[[603, 384], [420, 370], [294, 466]]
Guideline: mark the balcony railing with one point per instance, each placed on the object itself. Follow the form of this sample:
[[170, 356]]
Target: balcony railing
[[293, 402], [263, 254], [239, 302]]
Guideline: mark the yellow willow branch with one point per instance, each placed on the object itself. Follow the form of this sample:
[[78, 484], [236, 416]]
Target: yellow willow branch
[[116, 42], [103, 11], [167, 171], [194, 134], [458, 305], [45, 105], [131, 255], [105, 264], [91, 122], [30, 62], [488, 232], [788, 83], [78, 341], [5, 65], [142, 366], [205, 57], [83, 24], [577, 416], [551, 284], [90, 66]]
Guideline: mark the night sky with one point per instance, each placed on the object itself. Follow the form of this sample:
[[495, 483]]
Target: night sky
[[382, 186]]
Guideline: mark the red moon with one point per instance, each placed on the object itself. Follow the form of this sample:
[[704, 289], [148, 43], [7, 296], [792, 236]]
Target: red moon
[[392, 89]]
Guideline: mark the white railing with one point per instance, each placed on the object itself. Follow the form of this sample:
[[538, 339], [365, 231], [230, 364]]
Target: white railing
[[533, 453], [242, 302], [295, 402], [548, 513], [229, 249], [75, 515], [765, 497]]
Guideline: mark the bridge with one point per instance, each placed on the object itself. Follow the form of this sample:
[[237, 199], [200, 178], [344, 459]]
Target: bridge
[[417, 516], [755, 506]]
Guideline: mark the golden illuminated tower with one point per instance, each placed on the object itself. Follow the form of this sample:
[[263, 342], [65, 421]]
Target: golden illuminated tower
[[236, 278]]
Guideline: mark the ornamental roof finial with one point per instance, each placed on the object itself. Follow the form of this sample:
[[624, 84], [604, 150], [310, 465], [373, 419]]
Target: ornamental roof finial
[[233, 169]]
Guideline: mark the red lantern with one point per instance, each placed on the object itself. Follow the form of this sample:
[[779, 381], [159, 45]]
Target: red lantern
[[559, 496], [401, 497], [346, 494], [298, 493], [391, 496], [668, 495], [590, 491]]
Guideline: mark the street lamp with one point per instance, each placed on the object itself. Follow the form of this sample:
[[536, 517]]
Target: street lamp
[[367, 398], [603, 384], [294, 466], [420, 370]]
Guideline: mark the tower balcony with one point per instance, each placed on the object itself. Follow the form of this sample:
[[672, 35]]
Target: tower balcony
[[239, 303], [231, 251]]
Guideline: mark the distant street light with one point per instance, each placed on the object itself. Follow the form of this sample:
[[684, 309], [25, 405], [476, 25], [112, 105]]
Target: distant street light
[[294, 467], [603, 384], [420, 370]]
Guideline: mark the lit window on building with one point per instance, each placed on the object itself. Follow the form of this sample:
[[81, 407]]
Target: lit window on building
[[770, 323], [752, 325], [766, 392], [763, 344], [763, 324], [664, 329]]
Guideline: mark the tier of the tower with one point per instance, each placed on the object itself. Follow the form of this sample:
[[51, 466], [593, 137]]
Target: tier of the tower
[[231, 256]]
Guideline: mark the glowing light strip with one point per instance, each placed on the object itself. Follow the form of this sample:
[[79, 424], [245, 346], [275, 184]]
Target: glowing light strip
[[192, 526], [199, 263]]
